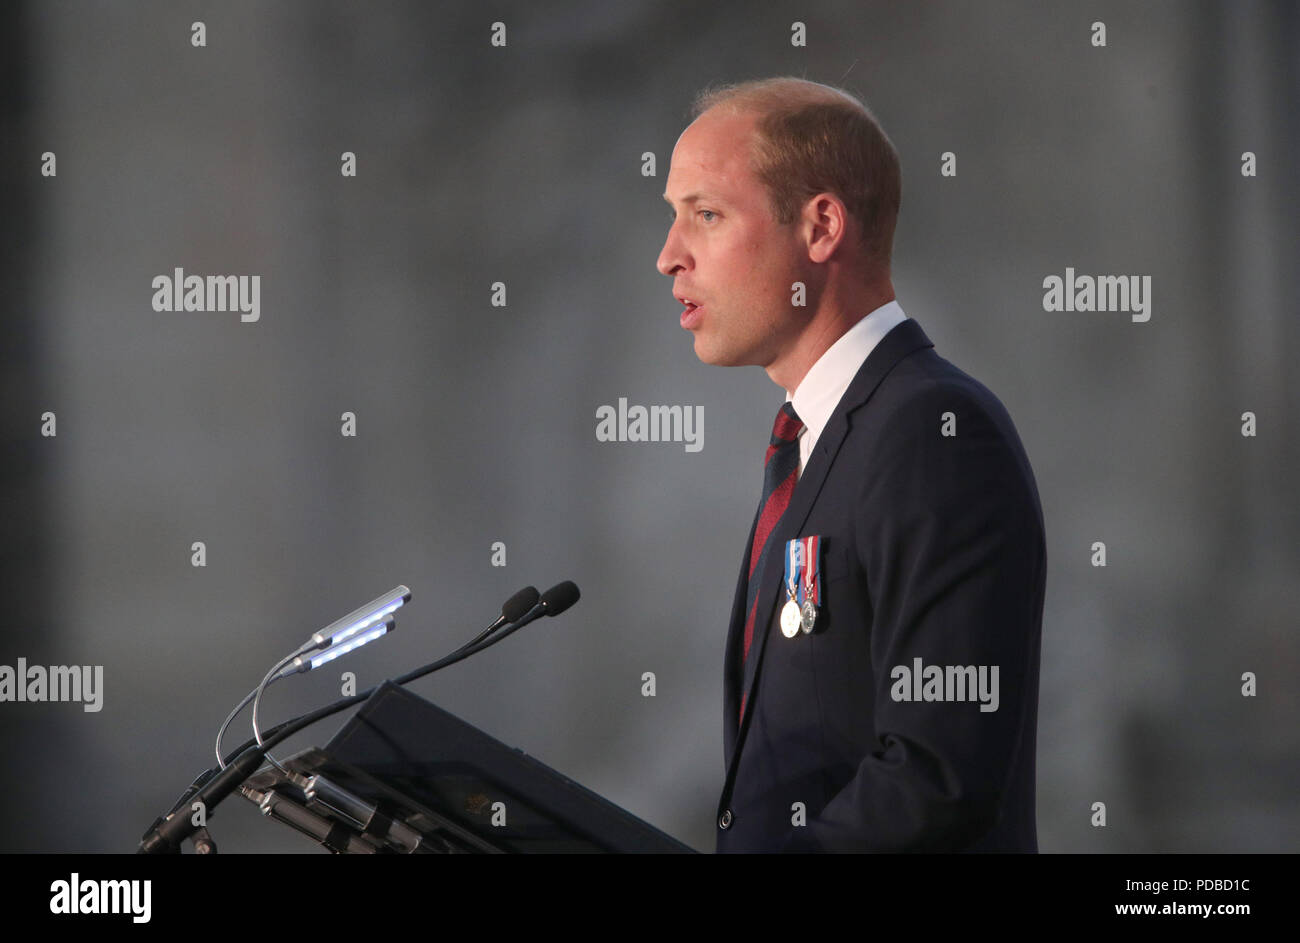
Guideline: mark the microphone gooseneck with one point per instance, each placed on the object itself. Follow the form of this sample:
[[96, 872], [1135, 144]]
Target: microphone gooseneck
[[212, 786]]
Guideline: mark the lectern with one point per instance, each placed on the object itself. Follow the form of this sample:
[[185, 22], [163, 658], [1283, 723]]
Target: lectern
[[405, 776]]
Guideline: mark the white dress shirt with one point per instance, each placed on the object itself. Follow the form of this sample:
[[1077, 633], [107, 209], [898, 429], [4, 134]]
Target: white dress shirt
[[822, 388]]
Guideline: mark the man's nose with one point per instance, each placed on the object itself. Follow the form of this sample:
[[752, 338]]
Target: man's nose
[[673, 256]]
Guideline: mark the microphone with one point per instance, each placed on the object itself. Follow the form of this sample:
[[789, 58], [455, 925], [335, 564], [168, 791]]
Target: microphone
[[514, 609], [517, 605], [552, 602], [560, 597], [212, 786]]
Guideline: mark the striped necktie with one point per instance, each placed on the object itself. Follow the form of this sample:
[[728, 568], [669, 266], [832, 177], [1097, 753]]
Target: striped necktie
[[780, 473]]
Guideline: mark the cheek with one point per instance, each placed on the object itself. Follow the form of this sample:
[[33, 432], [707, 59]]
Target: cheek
[[749, 264]]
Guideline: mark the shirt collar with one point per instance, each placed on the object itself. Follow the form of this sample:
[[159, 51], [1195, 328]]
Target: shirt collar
[[823, 386]]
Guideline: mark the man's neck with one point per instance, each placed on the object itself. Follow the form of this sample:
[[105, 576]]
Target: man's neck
[[834, 316]]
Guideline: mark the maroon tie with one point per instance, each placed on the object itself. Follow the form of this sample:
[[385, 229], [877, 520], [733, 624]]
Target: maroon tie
[[780, 473]]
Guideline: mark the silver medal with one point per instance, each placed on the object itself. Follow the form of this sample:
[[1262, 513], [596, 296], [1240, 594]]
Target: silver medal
[[807, 616], [790, 619]]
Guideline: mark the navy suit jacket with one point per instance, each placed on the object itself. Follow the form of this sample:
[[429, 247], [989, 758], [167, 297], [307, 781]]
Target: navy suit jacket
[[933, 549]]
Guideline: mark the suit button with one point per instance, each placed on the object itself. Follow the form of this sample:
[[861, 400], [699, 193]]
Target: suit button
[[724, 820]]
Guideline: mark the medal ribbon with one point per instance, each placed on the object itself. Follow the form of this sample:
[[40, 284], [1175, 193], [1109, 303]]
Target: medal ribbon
[[792, 585], [811, 585]]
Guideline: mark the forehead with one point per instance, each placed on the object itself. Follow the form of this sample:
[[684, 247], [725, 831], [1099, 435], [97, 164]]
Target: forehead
[[713, 153]]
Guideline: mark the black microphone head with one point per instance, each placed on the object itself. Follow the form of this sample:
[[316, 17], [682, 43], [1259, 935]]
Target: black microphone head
[[519, 604], [560, 597]]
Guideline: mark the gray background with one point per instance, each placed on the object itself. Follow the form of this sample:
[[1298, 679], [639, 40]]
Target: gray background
[[476, 424]]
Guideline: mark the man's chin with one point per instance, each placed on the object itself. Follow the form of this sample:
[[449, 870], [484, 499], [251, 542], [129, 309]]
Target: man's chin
[[714, 357]]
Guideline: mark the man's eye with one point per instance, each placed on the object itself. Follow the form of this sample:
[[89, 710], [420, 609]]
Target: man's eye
[[708, 215]]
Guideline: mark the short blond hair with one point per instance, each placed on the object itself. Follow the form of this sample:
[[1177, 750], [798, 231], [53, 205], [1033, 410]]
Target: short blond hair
[[814, 139]]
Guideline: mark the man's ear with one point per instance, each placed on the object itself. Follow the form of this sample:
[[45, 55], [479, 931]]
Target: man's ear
[[825, 222]]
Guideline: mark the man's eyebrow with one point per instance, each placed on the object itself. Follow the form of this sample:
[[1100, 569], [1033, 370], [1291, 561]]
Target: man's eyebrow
[[691, 198]]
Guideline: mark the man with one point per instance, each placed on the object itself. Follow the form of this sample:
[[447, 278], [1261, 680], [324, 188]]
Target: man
[[901, 713]]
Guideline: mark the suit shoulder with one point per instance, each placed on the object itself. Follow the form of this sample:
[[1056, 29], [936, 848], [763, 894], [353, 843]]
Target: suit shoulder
[[930, 412], [936, 420], [925, 386], [925, 373]]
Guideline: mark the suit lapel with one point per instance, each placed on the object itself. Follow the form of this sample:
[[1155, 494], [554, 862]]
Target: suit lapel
[[902, 340], [731, 681]]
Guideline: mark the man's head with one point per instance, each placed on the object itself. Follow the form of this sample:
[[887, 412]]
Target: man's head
[[776, 181]]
